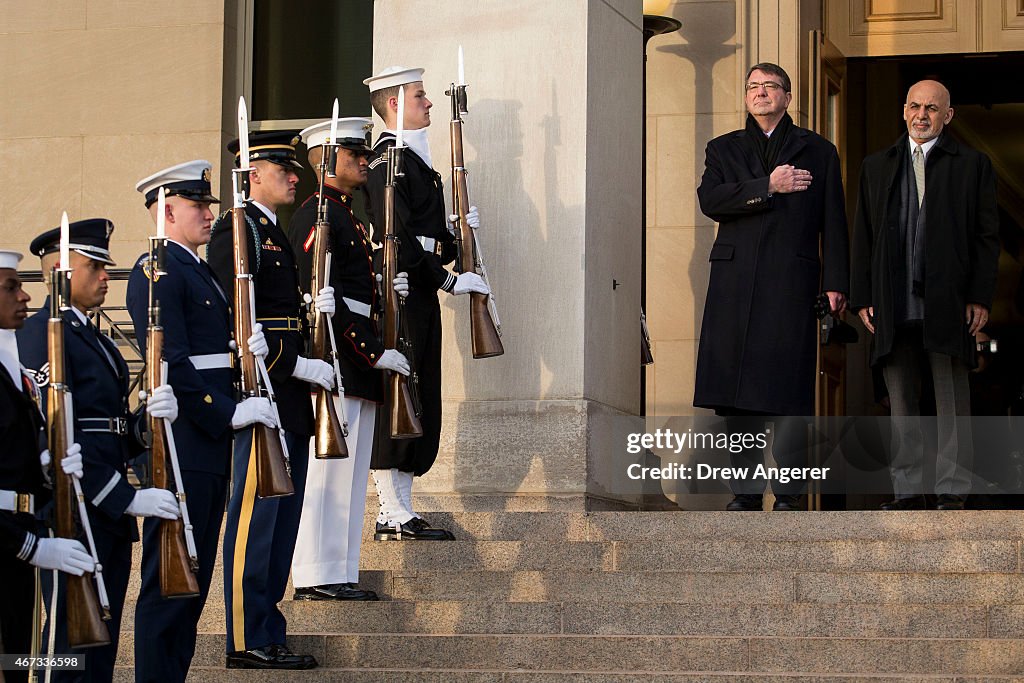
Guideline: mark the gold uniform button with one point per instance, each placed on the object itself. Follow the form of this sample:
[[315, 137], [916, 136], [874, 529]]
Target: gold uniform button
[[352, 244], [362, 345], [352, 334], [207, 302], [373, 355], [277, 263]]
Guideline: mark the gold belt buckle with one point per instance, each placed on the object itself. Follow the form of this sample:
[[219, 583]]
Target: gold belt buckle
[[26, 503]]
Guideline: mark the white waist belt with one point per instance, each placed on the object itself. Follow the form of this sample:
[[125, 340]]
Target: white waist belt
[[428, 243], [357, 306], [211, 361], [12, 501]]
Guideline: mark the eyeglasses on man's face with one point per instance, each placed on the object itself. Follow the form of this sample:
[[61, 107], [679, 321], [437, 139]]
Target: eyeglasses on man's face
[[770, 86]]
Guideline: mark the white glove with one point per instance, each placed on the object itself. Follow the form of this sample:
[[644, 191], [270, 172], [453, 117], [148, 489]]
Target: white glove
[[71, 463], [470, 282], [401, 284], [162, 403], [257, 343], [393, 360], [153, 503], [65, 554], [253, 410], [314, 371], [324, 301], [472, 218]]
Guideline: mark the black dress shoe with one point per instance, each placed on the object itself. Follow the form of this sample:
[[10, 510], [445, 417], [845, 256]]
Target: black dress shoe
[[270, 657], [950, 502], [333, 591], [912, 503], [745, 503], [414, 530], [787, 504], [373, 594]]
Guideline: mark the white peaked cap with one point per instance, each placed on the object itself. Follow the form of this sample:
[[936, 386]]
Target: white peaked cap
[[351, 129]]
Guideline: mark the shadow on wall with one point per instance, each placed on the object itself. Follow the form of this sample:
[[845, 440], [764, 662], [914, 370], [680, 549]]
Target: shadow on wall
[[709, 40]]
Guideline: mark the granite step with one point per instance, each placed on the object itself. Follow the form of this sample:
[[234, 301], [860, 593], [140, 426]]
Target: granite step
[[636, 654]]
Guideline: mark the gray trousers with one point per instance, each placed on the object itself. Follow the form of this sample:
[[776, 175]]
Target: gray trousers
[[954, 455]]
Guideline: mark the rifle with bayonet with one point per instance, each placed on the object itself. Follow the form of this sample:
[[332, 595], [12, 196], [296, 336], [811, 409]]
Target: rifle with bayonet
[[179, 561], [331, 430], [85, 611], [402, 410], [273, 474], [484, 323]]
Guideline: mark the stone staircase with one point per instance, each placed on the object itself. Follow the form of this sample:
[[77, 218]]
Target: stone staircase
[[667, 597]]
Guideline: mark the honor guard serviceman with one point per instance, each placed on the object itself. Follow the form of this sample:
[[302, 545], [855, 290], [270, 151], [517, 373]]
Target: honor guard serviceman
[[326, 562], [196, 321], [23, 480], [97, 377], [423, 233], [260, 534]]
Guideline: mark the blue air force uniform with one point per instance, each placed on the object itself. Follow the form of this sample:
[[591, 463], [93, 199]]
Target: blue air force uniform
[[196, 321], [259, 535], [108, 433], [23, 489]]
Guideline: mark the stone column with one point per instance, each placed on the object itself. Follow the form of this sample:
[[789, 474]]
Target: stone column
[[553, 151]]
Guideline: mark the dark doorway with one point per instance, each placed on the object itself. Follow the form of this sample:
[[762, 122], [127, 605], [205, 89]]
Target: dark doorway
[[988, 113]]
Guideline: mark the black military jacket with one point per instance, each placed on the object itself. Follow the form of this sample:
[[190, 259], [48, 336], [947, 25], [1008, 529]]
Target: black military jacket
[[419, 204], [21, 432], [352, 277], [276, 284]]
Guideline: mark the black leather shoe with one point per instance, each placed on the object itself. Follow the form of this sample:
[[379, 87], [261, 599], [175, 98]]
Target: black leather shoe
[[421, 521], [950, 502], [373, 594], [413, 530], [787, 504], [745, 503], [912, 503], [270, 657], [333, 591]]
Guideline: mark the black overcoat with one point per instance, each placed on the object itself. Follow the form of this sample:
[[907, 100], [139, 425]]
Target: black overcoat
[[961, 244], [758, 342]]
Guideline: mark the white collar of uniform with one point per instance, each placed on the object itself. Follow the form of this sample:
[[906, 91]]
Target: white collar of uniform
[[270, 214], [190, 252], [417, 142], [925, 146], [82, 317], [9, 356]]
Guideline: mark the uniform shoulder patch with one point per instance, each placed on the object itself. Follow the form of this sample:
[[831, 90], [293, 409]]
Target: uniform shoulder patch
[[377, 162], [41, 376], [146, 264]]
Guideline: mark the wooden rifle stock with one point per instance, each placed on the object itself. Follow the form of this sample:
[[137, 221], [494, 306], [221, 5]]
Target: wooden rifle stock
[[329, 437], [177, 577], [404, 422], [484, 333], [84, 616], [272, 478]]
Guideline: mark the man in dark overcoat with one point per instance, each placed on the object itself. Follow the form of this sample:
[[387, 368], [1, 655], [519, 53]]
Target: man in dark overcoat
[[925, 253], [776, 191]]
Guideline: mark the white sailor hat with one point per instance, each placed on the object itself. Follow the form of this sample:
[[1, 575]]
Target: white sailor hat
[[9, 259], [394, 76], [190, 180], [352, 132]]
